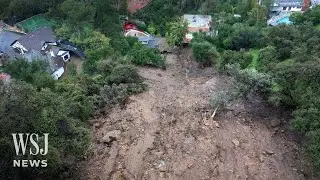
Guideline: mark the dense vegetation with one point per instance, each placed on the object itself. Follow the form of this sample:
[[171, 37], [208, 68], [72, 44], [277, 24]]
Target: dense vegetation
[[285, 71], [280, 63], [35, 103]]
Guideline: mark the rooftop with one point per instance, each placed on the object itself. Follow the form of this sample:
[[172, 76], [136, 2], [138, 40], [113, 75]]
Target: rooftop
[[289, 2], [6, 39], [197, 20], [135, 5], [35, 39]]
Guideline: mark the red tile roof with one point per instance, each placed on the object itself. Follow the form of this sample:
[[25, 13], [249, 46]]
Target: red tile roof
[[4, 76], [135, 5]]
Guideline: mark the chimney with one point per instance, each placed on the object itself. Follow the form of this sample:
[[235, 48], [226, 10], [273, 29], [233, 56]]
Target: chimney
[[306, 5]]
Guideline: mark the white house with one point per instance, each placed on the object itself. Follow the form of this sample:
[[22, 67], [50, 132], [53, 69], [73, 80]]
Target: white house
[[280, 6]]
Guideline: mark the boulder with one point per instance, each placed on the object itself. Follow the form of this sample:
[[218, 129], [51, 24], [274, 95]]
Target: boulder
[[111, 136]]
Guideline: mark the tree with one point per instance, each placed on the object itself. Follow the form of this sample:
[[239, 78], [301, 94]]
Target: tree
[[205, 53], [142, 55], [124, 74], [268, 58], [176, 30], [241, 57], [243, 36], [23, 70], [77, 13]]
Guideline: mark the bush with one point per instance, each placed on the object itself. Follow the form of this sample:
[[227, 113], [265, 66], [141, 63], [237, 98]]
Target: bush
[[204, 53], [120, 44], [115, 94], [124, 74], [241, 57], [249, 80], [141, 55], [224, 96], [106, 66]]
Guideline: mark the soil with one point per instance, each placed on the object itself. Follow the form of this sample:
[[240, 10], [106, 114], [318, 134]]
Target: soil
[[167, 132]]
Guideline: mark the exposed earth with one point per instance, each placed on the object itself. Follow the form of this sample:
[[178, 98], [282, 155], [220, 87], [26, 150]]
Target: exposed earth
[[167, 132]]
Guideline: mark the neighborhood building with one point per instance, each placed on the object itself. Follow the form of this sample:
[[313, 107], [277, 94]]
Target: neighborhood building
[[197, 23], [315, 3], [136, 33], [136, 5], [280, 6], [40, 44], [6, 39], [131, 30], [287, 6]]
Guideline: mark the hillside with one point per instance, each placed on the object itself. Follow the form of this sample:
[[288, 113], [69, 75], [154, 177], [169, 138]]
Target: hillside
[[168, 133]]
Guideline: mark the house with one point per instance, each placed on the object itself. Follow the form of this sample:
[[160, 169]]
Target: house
[[197, 23], [280, 6], [135, 5], [42, 44], [315, 3], [136, 33], [68, 46], [128, 26], [150, 41], [6, 39]]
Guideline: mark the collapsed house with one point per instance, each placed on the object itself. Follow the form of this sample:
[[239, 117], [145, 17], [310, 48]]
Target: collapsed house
[[41, 44]]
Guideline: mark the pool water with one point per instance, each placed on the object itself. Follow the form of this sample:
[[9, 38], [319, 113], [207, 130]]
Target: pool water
[[284, 20]]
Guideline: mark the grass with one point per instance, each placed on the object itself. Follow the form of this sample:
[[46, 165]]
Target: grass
[[255, 55], [34, 23], [318, 26]]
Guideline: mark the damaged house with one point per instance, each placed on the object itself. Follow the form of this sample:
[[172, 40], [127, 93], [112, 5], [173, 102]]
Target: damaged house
[[41, 44]]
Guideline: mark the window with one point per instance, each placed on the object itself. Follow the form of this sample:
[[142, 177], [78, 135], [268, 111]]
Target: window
[[66, 57], [284, 8], [289, 8]]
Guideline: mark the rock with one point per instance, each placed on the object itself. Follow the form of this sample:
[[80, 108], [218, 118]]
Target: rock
[[162, 166], [162, 174], [97, 125], [216, 124], [159, 153], [275, 122], [295, 169], [190, 165], [261, 158], [268, 152], [236, 142], [111, 136]]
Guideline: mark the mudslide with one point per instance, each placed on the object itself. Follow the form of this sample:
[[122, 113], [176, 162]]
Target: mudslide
[[167, 132]]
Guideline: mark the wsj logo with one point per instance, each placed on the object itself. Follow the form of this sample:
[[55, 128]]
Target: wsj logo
[[22, 141]]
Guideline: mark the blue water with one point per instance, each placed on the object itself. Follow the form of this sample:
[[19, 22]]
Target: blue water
[[284, 20]]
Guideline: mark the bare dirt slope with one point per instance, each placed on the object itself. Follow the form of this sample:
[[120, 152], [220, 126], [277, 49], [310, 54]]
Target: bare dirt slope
[[168, 133]]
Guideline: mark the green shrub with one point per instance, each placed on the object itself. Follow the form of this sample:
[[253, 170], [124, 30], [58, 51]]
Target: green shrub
[[106, 66], [250, 80], [124, 74], [132, 41], [241, 57], [204, 53], [115, 94], [121, 44], [142, 55]]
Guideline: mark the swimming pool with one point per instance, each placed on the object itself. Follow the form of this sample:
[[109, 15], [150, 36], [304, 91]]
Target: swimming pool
[[284, 20]]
